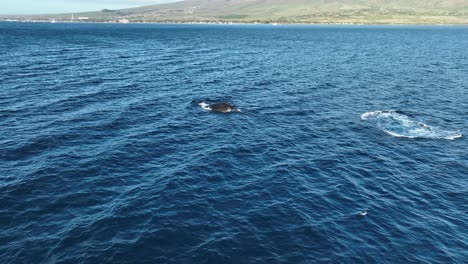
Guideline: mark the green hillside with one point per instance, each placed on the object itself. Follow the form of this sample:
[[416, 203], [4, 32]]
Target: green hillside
[[293, 11]]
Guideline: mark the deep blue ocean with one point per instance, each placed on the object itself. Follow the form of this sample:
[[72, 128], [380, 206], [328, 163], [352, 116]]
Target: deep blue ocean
[[349, 145]]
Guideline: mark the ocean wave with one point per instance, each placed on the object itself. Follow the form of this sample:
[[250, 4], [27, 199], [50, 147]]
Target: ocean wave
[[109, 162], [399, 124]]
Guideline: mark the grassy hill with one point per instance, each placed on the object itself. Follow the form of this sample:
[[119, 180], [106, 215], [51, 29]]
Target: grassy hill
[[293, 11]]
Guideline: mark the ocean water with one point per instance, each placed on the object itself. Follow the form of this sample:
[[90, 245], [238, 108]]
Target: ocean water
[[348, 147]]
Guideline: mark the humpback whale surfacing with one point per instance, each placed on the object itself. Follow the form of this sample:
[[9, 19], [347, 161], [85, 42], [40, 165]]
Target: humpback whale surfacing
[[222, 107]]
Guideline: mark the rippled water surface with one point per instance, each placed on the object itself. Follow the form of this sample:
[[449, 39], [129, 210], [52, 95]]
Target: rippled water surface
[[104, 157]]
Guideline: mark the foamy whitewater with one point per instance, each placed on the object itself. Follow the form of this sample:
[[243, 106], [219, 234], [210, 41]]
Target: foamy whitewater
[[205, 106], [398, 124]]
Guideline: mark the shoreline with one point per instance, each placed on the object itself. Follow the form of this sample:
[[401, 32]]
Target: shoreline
[[231, 23]]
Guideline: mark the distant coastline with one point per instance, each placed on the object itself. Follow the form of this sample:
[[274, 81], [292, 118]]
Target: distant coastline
[[341, 12], [368, 23]]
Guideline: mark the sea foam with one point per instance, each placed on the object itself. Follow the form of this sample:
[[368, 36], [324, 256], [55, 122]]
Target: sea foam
[[400, 125]]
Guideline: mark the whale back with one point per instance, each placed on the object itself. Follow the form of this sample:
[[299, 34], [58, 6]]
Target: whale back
[[222, 107]]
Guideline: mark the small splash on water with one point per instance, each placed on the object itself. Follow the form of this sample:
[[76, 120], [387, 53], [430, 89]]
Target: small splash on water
[[398, 124], [205, 106]]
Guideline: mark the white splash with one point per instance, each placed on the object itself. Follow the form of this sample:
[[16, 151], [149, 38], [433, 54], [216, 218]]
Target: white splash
[[400, 125], [205, 106]]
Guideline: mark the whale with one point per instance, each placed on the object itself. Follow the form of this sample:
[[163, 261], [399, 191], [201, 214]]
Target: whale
[[221, 107]]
